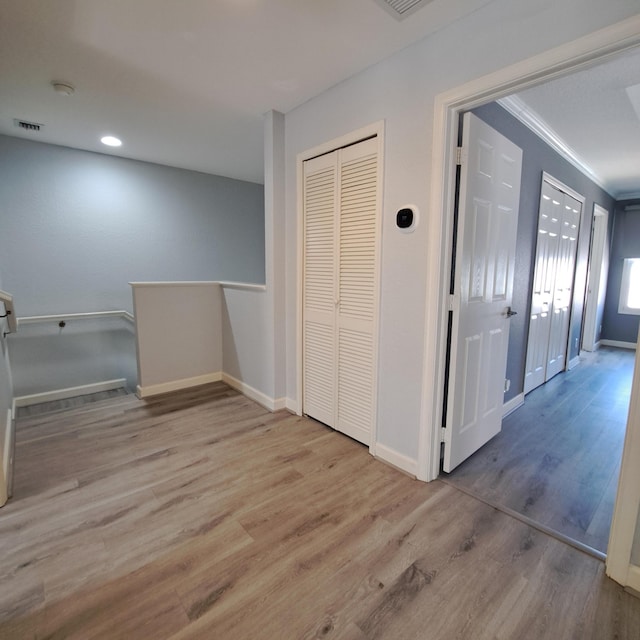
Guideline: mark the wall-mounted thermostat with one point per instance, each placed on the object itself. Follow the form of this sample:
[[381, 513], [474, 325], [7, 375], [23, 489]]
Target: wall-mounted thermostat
[[407, 218]]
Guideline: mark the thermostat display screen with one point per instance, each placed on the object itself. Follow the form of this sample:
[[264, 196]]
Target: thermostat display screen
[[404, 218]]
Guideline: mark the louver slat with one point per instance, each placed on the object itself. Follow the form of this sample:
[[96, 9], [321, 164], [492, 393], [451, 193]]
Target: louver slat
[[319, 244], [355, 389], [358, 235]]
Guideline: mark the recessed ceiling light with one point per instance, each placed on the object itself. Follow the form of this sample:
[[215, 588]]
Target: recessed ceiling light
[[111, 141]]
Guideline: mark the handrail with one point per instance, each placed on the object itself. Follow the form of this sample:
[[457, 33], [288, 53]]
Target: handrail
[[121, 313], [9, 311]]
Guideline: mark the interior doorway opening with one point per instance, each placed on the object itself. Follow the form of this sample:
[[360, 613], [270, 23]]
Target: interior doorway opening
[[558, 462], [448, 107]]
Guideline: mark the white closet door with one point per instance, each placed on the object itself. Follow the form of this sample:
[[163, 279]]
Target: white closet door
[[341, 213], [483, 289], [357, 288], [563, 290], [319, 322], [549, 228], [552, 295]]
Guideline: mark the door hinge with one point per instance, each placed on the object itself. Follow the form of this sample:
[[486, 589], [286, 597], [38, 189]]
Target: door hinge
[[459, 156], [443, 432], [453, 302]]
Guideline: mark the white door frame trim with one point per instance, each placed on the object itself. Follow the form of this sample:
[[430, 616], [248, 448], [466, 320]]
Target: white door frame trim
[[625, 513], [373, 129], [591, 302], [573, 56]]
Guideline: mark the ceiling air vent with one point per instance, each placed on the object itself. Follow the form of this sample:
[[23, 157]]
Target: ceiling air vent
[[400, 9], [25, 125]]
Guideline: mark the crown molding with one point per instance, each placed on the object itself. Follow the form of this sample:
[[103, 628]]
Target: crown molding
[[629, 195], [521, 111]]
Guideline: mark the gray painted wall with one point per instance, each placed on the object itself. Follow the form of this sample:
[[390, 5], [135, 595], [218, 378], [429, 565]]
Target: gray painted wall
[[539, 157], [78, 226], [625, 243]]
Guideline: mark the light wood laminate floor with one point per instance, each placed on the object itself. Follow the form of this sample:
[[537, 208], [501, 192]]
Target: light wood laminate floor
[[557, 459], [200, 515]]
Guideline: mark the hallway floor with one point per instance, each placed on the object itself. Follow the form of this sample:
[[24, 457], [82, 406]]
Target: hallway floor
[[198, 514], [557, 458]]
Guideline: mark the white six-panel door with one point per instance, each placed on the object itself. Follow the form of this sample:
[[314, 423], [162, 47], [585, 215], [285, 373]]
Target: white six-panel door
[[549, 223], [563, 290], [552, 293], [341, 211], [484, 270]]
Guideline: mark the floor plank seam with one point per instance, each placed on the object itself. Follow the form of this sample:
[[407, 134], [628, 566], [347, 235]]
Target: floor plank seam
[[576, 544]]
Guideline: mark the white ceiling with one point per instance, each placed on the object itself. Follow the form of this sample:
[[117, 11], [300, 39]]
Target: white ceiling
[[596, 113], [186, 83]]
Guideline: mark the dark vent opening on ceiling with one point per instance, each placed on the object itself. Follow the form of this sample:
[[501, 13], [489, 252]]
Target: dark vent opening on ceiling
[[27, 126], [400, 9]]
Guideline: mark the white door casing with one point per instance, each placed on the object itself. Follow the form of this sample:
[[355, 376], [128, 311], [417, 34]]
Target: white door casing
[[341, 203], [484, 271], [624, 534], [597, 280], [566, 58]]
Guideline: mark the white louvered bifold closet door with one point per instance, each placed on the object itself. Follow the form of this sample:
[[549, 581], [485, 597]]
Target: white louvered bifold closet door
[[357, 288], [320, 291], [340, 288]]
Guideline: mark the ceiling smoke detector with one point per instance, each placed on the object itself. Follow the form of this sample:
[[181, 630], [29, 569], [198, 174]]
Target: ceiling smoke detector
[[63, 88], [401, 9]]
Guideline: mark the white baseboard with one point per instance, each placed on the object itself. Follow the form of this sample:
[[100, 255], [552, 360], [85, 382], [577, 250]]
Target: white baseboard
[[292, 405], [395, 459], [70, 392], [177, 385], [511, 405], [618, 343], [574, 362], [272, 404]]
